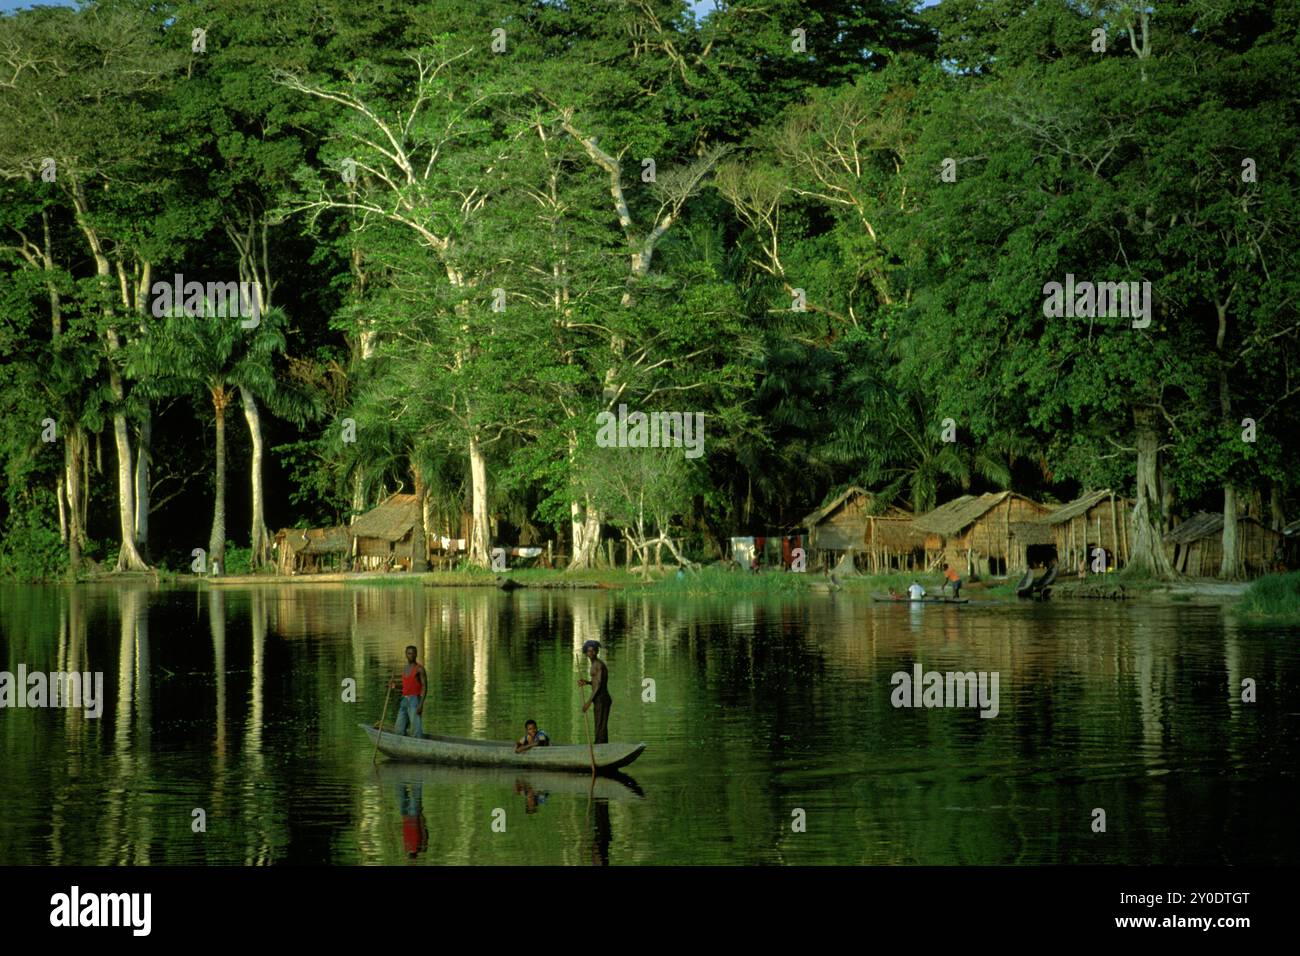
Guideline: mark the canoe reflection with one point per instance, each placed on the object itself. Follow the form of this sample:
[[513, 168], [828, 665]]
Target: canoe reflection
[[534, 788], [613, 786]]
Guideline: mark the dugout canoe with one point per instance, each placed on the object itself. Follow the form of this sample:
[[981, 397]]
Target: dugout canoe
[[885, 598], [464, 752]]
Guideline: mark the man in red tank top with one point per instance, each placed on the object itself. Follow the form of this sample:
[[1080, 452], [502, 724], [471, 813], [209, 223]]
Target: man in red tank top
[[415, 685]]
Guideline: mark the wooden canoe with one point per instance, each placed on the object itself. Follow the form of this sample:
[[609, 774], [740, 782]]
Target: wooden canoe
[[928, 599], [463, 752]]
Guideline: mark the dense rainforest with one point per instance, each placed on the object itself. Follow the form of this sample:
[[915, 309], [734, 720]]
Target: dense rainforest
[[461, 230]]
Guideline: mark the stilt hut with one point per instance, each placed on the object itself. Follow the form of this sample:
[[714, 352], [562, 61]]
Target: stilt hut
[[1195, 547], [973, 532], [1033, 545], [856, 521], [1096, 519], [311, 550], [390, 536]]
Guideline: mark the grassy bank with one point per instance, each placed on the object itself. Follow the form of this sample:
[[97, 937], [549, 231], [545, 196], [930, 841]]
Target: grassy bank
[[1274, 597]]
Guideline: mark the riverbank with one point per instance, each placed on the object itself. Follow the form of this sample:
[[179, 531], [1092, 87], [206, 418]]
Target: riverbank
[[718, 581], [1274, 598]]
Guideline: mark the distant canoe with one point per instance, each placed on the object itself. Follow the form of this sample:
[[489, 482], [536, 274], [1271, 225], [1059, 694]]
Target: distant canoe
[[461, 751], [925, 600], [610, 785]]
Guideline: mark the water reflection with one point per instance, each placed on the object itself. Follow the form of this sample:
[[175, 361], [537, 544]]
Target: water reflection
[[415, 832], [229, 700]]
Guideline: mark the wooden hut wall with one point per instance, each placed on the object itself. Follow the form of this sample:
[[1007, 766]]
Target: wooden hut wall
[[1258, 546], [1102, 525], [844, 529], [1203, 556], [892, 544]]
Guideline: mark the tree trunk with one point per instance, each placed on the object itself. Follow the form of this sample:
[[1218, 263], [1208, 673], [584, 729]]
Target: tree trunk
[[128, 558], [478, 541], [420, 534], [142, 454], [63, 511], [1230, 568], [1230, 565], [217, 540], [585, 523], [260, 541], [73, 466], [1148, 549], [358, 490], [83, 503], [1277, 511]]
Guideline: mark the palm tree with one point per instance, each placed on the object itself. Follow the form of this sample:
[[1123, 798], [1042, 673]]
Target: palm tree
[[223, 358]]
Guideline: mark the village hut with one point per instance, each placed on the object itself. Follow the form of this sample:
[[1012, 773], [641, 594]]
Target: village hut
[[1096, 519], [1291, 545], [311, 550], [973, 532], [1033, 545], [1195, 547], [856, 521], [390, 536]]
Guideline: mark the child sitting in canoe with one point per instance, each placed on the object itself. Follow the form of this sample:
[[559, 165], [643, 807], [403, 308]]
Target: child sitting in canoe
[[532, 737]]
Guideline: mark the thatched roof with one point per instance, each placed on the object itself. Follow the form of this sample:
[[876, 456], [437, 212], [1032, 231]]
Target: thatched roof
[[390, 520], [313, 540], [1080, 506], [1203, 525], [826, 510], [894, 532], [1200, 525], [326, 541], [1032, 532], [951, 518]]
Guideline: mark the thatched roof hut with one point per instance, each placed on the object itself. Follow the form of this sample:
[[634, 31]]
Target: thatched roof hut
[[1195, 547], [974, 531], [311, 550], [857, 520], [1094, 519], [390, 535]]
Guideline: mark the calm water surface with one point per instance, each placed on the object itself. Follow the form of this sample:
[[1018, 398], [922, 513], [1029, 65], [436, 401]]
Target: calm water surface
[[232, 701]]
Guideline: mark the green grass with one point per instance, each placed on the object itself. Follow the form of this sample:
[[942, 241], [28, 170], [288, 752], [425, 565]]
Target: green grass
[[1274, 596], [468, 575]]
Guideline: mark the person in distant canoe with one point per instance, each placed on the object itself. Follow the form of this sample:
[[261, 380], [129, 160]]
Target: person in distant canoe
[[599, 684], [916, 592], [415, 686], [532, 737], [951, 576]]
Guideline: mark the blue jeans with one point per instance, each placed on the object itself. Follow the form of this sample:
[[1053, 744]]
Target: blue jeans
[[407, 711]]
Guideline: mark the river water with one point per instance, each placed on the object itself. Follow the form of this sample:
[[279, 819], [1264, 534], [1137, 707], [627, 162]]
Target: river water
[[225, 736]]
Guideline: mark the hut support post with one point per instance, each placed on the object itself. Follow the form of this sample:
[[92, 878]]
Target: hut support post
[[1114, 530]]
